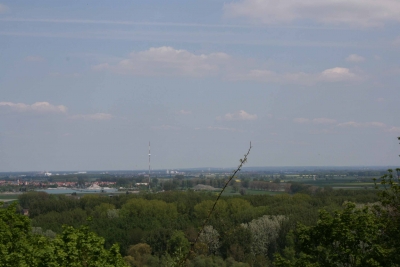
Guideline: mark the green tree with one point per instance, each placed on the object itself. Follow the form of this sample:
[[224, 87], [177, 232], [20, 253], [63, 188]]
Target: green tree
[[235, 187], [236, 207], [149, 214], [265, 232], [178, 243], [210, 261], [367, 236], [105, 210], [20, 246], [237, 244], [78, 247], [202, 209], [389, 211], [210, 238], [246, 183], [138, 254], [348, 238], [169, 185]]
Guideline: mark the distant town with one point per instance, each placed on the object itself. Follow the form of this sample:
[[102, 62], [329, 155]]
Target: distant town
[[268, 179]]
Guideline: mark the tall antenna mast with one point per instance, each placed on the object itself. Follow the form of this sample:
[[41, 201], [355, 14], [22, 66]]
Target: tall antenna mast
[[149, 166]]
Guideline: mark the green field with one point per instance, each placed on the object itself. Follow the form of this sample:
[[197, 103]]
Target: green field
[[229, 192], [346, 183], [8, 196], [8, 200], [253, 192]]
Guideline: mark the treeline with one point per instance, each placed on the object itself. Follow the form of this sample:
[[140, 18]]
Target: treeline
[[152, 229]]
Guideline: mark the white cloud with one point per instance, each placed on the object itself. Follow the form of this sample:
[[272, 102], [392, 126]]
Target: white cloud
[[274, 77], [315, 121], [65, 75], [184, 112], [165, 127], [329, 75], [92, 117], [323, 131], [372, 124], [362, 124], [324, 121], [38, 107], [222, 129], [3, 8], [166, 61], [393, 130], [350, 12], [337, 75], [34, 58], [47, 108], [301, 120], [355, 58], [240, 115]]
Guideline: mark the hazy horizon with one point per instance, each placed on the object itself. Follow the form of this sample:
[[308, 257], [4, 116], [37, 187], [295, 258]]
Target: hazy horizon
[[216, 169]]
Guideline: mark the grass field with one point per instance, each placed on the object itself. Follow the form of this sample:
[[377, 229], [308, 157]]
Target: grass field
[[8, 200], [262, 192], [346, 183], [228, 192], [8, 196]]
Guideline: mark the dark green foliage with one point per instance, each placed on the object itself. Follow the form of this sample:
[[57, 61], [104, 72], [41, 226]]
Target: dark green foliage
[[389, 213], [80, 247], [149, 214], [298, 187], [348, 238], [55, 220], [42, 203], [355, 236], [213, 261], [76, 247], [237, 244], [158, 240], [178, 243], [17, 245], [140, 255]]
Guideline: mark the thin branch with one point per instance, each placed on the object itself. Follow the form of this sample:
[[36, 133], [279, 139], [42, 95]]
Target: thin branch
[[242, 162]]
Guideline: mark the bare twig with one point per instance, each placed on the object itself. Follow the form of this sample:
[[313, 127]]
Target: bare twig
[[242, 162]]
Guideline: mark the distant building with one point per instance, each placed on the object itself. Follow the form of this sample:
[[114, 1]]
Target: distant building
[[94, 187]]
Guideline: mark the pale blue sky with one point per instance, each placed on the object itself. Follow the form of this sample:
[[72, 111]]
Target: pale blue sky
[[84, 85]]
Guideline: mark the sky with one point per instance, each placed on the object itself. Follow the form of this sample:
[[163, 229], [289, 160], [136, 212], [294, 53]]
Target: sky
[[85, 85]]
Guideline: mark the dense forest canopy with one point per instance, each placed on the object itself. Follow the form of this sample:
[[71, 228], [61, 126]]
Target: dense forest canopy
[[250, 229]]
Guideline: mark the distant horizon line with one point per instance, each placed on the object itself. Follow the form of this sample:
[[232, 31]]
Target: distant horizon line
[[211, 168]]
